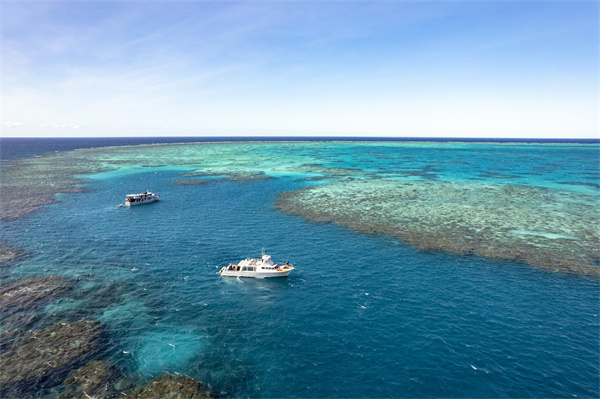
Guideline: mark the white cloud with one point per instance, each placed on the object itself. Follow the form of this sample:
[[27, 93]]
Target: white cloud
[[13, 124], [59, 126]]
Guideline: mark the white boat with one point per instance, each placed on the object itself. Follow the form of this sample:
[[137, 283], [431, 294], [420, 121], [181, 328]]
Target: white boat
[[257, 268], [143, 198]]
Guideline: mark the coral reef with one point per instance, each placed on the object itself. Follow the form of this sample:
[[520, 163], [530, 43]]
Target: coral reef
[[171, 387], [16, 325], [94, 380], [53, 350], [221, 176], [9, 255], [542, 227], [191, 182], [32, 182], [28, 292]]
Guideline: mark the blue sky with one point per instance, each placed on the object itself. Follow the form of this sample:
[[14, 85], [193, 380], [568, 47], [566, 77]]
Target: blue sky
[[350, 68]]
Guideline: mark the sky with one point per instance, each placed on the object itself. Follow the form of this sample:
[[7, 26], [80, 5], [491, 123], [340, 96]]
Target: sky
[[526, 69]]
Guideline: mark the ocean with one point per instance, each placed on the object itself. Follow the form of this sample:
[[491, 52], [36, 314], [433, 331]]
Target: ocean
[[424, 268]]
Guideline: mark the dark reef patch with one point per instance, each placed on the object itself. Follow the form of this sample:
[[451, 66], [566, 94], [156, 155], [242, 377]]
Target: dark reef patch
[[577, 183], [191, 182], [15, 326], [222, 176], [239, 177], [327, 171], [94, 380], [494, 175], [246, 177], [9, 255], [171, 387], [200, 174], [42, 354], [30, 292], [96, 298]]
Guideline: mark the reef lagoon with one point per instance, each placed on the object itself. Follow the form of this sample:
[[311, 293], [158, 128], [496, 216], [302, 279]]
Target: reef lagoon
[[423, 269]]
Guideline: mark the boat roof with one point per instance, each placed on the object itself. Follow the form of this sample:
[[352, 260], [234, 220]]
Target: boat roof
[[134, 195]]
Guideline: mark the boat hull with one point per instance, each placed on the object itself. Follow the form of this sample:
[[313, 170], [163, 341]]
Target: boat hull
[[127, 203], [274, 274]]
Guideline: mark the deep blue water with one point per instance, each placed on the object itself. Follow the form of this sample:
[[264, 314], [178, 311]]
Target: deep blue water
[[361, 316], [12, 147]]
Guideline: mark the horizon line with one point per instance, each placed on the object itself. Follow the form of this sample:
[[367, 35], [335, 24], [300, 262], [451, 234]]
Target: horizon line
[[323, 137]]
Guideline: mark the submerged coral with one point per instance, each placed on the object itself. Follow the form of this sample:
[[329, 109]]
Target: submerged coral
[[237, 175], [171, 387], [32, 183], [542, 227], [16, 325], [191, 182], [9, 254], [27, 292], [53, 350], [94, 380]]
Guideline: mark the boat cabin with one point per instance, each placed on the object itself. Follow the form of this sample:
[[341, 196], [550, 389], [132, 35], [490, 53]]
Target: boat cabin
[[259, 267], [146, 196]]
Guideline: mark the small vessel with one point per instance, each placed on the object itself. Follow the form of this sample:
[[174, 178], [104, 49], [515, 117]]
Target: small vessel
[[143, 198], [257, 268]]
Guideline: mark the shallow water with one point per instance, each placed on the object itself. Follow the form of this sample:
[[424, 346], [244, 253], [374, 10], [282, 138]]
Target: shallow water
[[363, 315]]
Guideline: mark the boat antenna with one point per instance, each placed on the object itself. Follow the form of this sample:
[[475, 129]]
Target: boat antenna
[[263, 251]]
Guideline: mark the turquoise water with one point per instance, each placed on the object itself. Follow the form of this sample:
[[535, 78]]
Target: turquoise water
[[363, 315]]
